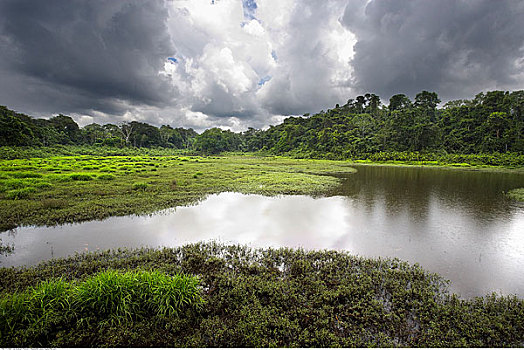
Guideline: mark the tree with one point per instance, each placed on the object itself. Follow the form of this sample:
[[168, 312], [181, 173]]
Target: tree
[[67, 128], [144, 135], [126, 129], [497, 137], [13, 131], [399, 102], [94, 133], [216, 140]]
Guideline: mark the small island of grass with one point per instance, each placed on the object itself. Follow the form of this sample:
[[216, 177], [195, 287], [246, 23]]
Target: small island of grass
[[516, 194]]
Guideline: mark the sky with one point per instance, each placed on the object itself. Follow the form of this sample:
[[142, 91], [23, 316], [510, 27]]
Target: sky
[[236, 64]]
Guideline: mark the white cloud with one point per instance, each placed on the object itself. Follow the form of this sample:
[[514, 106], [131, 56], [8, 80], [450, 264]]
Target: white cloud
[[222, 57]]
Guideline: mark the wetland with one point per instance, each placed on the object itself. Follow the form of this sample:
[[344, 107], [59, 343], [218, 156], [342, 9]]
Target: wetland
[[360, 252]]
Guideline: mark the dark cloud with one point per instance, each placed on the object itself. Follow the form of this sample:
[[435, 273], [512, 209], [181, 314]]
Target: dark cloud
[[75, 56], [102, 58], [456, 48]]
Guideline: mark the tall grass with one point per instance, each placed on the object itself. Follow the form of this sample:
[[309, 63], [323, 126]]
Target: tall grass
[[110, 297]]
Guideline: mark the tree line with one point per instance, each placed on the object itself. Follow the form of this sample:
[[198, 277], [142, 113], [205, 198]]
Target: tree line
[[17, 129], [491, 122]]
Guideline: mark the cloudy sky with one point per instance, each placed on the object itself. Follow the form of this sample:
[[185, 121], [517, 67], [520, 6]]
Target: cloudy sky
[[240, 63]]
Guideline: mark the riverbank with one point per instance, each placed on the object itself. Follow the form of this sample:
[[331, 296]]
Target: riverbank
[[441, 165], [275, 297], [67, 189]]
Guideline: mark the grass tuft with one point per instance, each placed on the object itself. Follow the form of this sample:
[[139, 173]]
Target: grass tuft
[[107, 298], [22, 193], [81, 176], [25, 175], [140, 186], [106, 177]]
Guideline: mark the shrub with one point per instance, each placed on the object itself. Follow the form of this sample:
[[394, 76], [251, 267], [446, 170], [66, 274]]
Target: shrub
[[51, 203]]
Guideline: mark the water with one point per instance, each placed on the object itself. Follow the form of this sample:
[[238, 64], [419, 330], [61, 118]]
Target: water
[[453, 222]]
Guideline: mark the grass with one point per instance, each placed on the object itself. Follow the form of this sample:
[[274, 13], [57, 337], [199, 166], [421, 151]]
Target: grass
[[97, 186], [109, 298], [247, 298], [516, 194]]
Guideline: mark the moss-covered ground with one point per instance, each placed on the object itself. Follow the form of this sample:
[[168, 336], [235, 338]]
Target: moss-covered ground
[[65, 189]]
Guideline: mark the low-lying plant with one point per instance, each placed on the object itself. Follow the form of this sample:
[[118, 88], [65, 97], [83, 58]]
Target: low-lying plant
[[81, 176], [25, 175], [112, 297], [253, 298], [22, 193], [140, 186], [106, 177], [516, 194]]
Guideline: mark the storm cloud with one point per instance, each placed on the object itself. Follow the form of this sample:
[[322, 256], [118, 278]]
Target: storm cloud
[[234, 63], [454, 47], [76, 56]]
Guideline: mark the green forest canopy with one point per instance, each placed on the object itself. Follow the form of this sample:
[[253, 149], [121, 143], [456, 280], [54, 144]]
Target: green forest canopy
[[491, 122]]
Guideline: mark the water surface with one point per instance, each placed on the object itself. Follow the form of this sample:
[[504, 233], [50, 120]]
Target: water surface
[[453, 222]]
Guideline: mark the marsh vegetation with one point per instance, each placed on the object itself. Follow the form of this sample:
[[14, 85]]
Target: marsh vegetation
[[67, 189], [251, 298]]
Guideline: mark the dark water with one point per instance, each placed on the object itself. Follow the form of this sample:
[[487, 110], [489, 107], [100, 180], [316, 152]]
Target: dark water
[[453, 222]]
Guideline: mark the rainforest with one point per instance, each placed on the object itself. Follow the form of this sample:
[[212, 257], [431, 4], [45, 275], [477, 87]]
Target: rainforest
[[53, 172]]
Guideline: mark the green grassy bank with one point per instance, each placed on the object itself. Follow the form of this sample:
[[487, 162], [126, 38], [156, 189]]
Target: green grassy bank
[[247, 298], [65, 189]]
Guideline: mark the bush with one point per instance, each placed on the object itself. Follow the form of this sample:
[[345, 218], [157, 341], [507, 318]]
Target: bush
[[52, 203]]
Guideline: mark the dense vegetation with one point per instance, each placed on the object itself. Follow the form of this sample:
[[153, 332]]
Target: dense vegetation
[[517, 194], [252, 298], [109, 298], [491, 124], [46, 191]]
